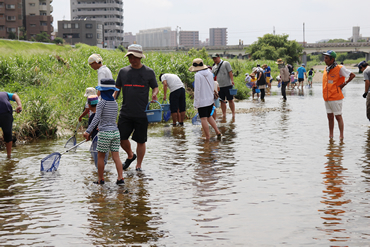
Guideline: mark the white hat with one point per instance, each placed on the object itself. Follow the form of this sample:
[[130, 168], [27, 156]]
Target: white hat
[[90, 91], [95, 58], [246, 74], [197, 65], [135, 50]]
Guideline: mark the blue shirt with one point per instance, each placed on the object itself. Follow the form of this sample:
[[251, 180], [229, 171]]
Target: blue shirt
[[268, 71], [301, 71]]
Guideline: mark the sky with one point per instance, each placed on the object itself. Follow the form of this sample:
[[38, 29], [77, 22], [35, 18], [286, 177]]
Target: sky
[[245, 20]]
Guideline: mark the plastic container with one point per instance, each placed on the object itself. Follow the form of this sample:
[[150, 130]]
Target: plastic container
[[154, 115], [165, 106], [217, 103], [233, 91]]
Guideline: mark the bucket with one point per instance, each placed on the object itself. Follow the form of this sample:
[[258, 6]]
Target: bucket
[[233, 91], [154, 115], [165, 107]]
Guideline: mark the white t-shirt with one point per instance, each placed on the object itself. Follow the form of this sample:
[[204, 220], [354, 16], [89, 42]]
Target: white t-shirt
[[173, 82], [104, 73], [344, 72]]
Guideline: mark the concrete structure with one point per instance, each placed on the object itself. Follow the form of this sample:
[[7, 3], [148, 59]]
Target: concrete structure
[[110, 12], [37, 17], [355, 34], [89, 32], [129, 38], [189, 39], [10, 17], [157, 37], [217, 36]]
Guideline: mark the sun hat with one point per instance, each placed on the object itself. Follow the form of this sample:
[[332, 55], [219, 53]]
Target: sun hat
[[246, 74], [197, 65], [264, 66], [253, 74], [279, 61], [90, 91], [93, 100], [136, 50], [95, 58], [331, 53], [360, 66], [107, 84], [215, 55]]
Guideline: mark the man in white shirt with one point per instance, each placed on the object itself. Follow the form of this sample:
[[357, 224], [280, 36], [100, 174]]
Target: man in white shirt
[[177, 97]]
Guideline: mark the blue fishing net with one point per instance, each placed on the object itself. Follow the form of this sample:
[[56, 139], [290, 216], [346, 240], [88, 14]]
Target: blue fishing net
[[50, 163]]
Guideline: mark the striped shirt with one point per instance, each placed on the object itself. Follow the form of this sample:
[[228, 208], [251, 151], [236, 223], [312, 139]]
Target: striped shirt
[[105, 116]]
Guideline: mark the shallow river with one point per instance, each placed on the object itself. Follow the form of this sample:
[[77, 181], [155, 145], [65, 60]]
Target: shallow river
[[275, 179]]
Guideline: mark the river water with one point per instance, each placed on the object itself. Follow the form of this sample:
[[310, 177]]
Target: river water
[[275, 179]]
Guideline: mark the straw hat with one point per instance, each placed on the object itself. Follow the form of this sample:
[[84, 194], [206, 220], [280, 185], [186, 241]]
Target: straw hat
[[136, 50], [253, 74], [197, 65], [280, 61]]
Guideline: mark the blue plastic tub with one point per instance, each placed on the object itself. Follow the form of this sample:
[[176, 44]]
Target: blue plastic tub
[[154, 115], [165, 106], [233, 91]]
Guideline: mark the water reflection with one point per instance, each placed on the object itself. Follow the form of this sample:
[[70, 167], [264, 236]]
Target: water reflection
[[123, 216], [333, 196]]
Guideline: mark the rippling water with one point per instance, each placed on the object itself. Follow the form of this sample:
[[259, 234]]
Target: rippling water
[[274, 179]]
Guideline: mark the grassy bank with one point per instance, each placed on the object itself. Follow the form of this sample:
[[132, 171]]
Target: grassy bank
[[51, 81]]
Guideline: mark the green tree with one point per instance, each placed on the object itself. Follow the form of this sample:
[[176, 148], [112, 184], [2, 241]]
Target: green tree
[[58, 40], [121, 48], [43, 37], [202, 53], [11, 35], [273, 47]]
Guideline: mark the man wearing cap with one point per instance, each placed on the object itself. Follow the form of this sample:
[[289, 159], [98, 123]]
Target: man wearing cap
[[334, 79], [224, 76], [134, 81], [301, 73], [95, 62], [365, 68], [284, 76]]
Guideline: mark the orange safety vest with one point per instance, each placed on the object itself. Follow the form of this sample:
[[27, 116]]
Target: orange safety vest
[[330, 84]]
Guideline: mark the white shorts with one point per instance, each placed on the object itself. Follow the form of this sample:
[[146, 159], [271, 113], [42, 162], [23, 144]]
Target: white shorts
[[334, 106]]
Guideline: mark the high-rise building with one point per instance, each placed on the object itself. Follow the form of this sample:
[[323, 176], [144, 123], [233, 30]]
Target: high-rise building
[[218, 36], [110, 12], [129, 38], [157, 37], [80, 31], [37, 17], [189, 38], [11, 17]]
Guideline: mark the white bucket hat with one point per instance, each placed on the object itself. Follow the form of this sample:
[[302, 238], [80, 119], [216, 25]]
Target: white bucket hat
[[95, 58], [135, 50], [90, 91]]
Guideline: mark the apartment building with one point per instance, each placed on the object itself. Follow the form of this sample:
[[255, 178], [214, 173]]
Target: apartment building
[[110, 12], [11, 18], [189, 38], [218, 36], [157, 37], [89, 32], [37, 17], [129, 38]]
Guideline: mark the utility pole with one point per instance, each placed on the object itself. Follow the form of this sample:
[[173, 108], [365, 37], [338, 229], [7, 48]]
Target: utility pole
[[274, 30], [303, 36]]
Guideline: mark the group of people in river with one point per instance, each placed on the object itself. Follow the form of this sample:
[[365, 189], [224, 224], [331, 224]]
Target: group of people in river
[[211, 83]]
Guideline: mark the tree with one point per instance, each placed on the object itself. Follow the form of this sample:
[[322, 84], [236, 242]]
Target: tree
[[121, 48], [273, 47], [43, 37], [11, 35], [202, 53]]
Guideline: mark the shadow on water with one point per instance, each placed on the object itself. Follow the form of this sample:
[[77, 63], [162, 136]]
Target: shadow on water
[[333, 195]]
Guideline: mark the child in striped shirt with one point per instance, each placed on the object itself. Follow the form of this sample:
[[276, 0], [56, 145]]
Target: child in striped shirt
[[109, 138]]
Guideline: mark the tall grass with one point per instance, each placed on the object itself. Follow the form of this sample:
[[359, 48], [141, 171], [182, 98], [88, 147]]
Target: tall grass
[[51, 81]]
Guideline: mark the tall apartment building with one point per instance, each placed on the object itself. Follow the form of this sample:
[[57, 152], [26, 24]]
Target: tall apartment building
[[37, 17], [189, 38], [80, 31], [11, 17], [218, 36], [129, 38], [156, 37], [110, 12]]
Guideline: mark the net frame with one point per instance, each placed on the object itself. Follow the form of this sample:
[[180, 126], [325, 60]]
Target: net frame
[[51, 162], [196, 120]]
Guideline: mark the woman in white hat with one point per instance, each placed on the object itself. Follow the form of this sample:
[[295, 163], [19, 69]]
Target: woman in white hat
[[204, 95]]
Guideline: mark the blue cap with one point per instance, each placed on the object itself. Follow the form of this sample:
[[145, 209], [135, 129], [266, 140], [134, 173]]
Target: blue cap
[[360, 66]]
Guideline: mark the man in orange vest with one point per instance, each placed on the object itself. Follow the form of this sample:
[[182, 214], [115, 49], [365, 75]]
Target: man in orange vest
[[334, 79]]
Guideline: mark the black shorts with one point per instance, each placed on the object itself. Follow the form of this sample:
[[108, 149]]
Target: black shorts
[[6, 124], [205, 111], [177, 100], [300, 79], [139, 127], [225, 93]]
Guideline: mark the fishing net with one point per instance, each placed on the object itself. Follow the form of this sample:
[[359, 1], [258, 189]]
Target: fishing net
[[196, 120], [50, 163], [71, 142], [166, 115]]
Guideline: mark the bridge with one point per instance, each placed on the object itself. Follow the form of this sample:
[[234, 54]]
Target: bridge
[[239, 51]]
